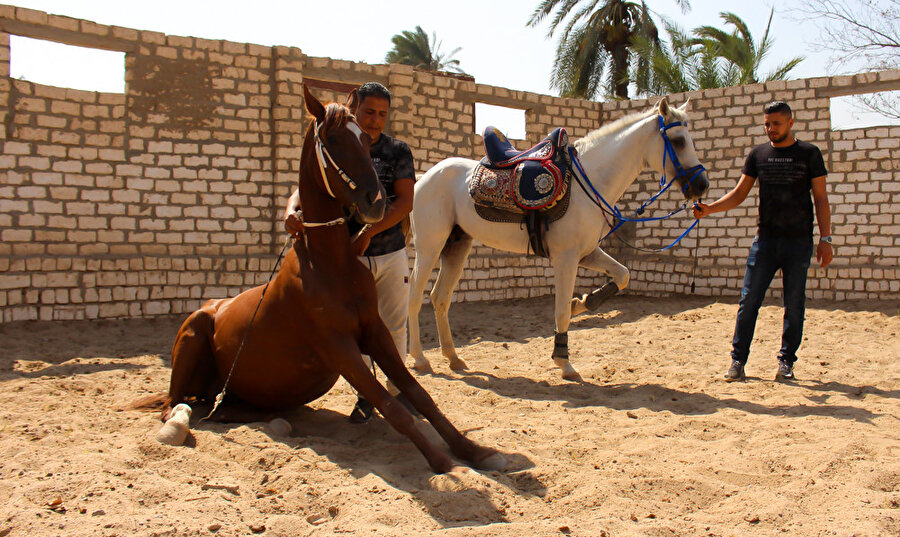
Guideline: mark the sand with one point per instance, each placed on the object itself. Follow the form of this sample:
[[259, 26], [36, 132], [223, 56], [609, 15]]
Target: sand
[[652, 442]]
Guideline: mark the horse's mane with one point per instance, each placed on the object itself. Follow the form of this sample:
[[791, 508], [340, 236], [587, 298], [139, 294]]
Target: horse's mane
[[594, 137], [336, 115]]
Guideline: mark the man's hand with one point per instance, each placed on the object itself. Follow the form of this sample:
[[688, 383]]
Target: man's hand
[[824, 254], [701, 210], [293, 224]]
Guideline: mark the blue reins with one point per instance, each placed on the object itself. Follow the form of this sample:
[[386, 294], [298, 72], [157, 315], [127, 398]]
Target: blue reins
[[668, 152]]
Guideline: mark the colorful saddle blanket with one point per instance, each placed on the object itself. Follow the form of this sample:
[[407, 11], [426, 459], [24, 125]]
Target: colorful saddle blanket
[[514, 182]]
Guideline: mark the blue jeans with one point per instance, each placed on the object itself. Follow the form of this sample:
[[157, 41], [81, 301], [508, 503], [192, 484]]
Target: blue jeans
[[767, 255]]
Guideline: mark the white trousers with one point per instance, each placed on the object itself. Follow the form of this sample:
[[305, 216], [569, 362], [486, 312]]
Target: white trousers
[[391, 272]]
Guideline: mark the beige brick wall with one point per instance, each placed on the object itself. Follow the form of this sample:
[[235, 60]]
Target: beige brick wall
[[151, 202]]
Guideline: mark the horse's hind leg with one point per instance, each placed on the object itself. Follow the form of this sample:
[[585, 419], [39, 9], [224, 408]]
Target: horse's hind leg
[[453, 260], [600, 261], [193, 364]]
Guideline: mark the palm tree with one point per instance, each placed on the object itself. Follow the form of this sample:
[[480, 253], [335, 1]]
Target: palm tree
[[685, 64], [594, 49], [740, 51], [415, 48]]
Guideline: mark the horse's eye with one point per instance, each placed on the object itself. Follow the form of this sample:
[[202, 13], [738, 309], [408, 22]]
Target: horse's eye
[[331, 140], [678, 142]]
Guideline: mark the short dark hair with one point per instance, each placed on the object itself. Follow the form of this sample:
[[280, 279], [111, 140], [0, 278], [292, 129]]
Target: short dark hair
[[373, 89], [778, 107]]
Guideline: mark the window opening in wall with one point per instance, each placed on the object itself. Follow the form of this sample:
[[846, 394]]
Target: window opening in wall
[[510, 121], [850, 111], [66, 66]]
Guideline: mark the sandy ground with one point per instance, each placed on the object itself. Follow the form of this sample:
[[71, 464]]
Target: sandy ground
[[653, 442]]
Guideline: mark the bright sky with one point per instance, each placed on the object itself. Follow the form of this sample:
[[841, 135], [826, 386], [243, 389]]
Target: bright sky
[[497, 47]]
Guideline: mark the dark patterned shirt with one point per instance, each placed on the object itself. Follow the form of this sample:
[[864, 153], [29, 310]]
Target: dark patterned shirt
[[785, 180], [393, 160]]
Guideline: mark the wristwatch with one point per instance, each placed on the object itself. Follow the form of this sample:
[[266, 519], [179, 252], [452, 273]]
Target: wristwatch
[[826, 239]]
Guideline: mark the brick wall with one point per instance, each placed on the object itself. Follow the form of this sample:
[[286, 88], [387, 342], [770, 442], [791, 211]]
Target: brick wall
[[152, 201]]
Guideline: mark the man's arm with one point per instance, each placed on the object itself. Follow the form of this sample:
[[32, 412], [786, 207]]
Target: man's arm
[[729, 201], [824, 251], [398, 210]]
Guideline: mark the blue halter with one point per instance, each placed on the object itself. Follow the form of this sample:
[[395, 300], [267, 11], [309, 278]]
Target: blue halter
[[680, 171]]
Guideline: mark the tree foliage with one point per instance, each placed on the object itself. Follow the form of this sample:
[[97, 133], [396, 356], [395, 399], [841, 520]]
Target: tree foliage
[[707, 58], [594, 52], [417, 49]]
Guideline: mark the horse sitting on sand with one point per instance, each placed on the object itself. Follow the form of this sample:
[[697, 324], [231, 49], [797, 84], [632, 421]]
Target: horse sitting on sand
[[445, 219], [286, 344]]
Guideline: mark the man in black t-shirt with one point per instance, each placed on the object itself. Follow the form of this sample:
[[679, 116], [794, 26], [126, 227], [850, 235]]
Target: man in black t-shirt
[[788, 170], [382, 245]]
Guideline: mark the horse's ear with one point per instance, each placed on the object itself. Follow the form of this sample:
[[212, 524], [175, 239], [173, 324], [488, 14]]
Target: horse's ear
[[353, 100], [686, 106], [313, 106], [663, 107]]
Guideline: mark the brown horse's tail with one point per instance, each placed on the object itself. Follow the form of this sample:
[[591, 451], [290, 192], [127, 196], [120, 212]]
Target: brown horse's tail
[[148, 403]]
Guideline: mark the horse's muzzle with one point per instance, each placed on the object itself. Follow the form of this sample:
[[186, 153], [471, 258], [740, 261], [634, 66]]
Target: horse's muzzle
[[697, 187], [371, 209]]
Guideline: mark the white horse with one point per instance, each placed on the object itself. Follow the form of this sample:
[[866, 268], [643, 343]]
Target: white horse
[[612, 157]]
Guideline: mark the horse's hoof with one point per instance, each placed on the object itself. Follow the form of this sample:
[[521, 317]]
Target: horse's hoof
[[458, 365], [574, 376], [280, 427], [568, 372], [423, 367], [578, 306], [492, 462], [175, 430]]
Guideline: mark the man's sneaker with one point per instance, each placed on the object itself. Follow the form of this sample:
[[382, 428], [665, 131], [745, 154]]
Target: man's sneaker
[[735, 372], [785, 371], [362, 412]]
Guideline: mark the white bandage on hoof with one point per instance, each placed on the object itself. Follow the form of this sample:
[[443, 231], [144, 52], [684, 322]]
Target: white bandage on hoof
[[175, 430]]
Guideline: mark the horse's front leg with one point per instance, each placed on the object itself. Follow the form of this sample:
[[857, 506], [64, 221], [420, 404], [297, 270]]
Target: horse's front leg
[[600, 261], [349, 363], [565, 268], [377, 343]]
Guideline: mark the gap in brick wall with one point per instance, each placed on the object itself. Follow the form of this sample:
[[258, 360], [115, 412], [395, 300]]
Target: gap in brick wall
[[66, 66], [510, 121], [848, 112]]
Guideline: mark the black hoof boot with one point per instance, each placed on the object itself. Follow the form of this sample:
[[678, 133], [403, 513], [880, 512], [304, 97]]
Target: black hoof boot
[[599, 296]]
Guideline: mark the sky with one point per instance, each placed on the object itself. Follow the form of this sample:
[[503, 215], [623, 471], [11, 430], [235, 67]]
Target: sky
[[497, 47]]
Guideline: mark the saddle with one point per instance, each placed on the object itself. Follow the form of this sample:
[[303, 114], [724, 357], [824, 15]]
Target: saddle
[[530, 186]]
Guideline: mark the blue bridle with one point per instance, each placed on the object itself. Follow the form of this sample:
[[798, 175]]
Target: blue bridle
[[680, 171]]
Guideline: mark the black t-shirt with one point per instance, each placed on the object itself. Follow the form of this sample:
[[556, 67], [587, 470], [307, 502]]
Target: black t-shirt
[[785, 180], [393, 160]]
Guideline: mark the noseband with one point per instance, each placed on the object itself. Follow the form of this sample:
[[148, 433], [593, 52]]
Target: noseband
[[324, 157]]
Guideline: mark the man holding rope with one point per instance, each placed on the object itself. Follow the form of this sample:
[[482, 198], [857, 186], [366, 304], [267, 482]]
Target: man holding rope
[[788, 170]]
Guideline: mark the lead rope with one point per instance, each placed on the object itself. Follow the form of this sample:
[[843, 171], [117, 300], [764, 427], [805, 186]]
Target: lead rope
[[694, 268], [221, 396]]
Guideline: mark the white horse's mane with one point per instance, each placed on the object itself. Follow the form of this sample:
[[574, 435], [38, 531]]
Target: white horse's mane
[[594, 137]]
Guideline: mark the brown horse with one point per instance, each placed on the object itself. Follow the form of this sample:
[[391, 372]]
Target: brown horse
[[319, 313]]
